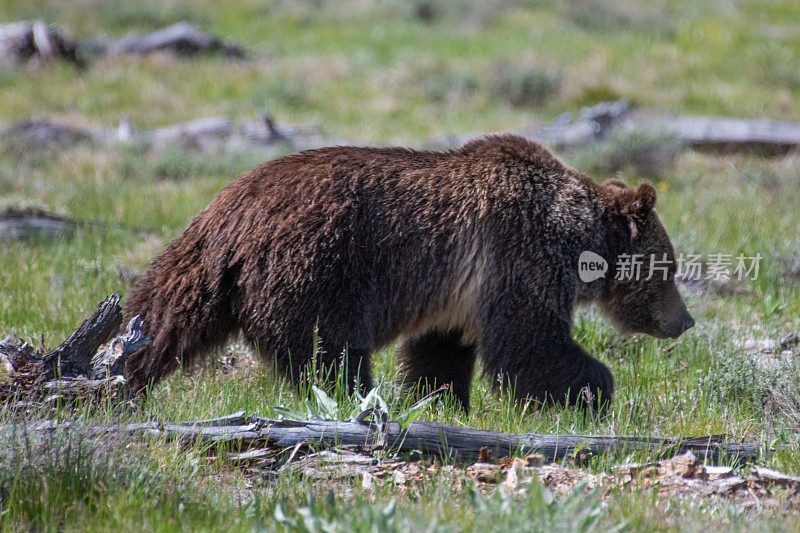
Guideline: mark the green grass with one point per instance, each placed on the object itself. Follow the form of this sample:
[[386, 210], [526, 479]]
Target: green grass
[[376, 71]]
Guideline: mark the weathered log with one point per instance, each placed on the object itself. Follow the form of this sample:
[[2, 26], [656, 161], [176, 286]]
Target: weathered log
[[728, 134], [181, 39], [428, 438], [444, 440], [34, 41], [594, 124], [25, 223], [42, 133]]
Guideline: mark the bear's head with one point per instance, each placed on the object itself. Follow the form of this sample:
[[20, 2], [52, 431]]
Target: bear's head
[[643, 298]]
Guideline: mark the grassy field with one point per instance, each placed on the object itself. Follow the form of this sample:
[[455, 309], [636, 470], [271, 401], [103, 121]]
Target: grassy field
[[401, 73]]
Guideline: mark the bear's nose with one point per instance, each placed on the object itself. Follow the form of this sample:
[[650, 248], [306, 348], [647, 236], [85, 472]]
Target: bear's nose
[[688, 321]]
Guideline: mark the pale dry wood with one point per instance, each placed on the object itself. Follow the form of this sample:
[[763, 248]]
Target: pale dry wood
[[428, 438], [593, 125], [183, 39], [34, 41]]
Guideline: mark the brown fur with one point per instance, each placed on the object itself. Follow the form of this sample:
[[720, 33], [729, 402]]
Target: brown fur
[[467, 253]]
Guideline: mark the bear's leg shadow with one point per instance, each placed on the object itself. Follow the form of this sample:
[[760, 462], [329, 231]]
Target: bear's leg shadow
[[439, 358]]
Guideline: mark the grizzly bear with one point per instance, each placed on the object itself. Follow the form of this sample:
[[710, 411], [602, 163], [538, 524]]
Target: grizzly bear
[[463, 254]]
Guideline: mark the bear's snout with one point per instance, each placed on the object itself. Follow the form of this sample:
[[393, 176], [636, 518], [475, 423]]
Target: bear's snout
[[675, 325], [688, 321]]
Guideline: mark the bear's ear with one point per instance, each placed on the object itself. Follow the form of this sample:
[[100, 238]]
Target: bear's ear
[[645, 198], [633, 204]]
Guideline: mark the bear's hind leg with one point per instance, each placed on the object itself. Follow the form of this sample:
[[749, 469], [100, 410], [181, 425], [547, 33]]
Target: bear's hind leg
[[297, 360], [439, 358]]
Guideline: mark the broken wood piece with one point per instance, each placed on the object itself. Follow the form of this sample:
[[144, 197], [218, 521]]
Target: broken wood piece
[[182, 39], [72, 358], [33, 41], [234, 419], [81, 366], [773, 476], [110, 360], [16, 223]]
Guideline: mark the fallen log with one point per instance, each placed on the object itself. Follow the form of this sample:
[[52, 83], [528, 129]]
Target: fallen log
[[713, 133], [728, 134], [204, 135], [18, 223], [24, 223], [27, 42], [429, 438], [181, 39], [444, 440], [41, 133]]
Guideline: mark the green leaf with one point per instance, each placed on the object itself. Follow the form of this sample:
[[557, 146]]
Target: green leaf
[[290, 414], [326, 405], [408, 416], [374, 399]]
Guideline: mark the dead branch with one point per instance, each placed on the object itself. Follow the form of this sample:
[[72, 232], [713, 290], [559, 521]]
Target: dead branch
[[181, 39], [24, 223], [35, 42], [73, 357], [716, 133], [28, 42], [41, 133]]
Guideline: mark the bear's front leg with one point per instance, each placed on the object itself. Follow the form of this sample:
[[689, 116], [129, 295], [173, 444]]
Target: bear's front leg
[[536, 357], [592, 383], [562, 374]]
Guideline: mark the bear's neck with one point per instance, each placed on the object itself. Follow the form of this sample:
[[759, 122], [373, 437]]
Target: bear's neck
[[609, 239]]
